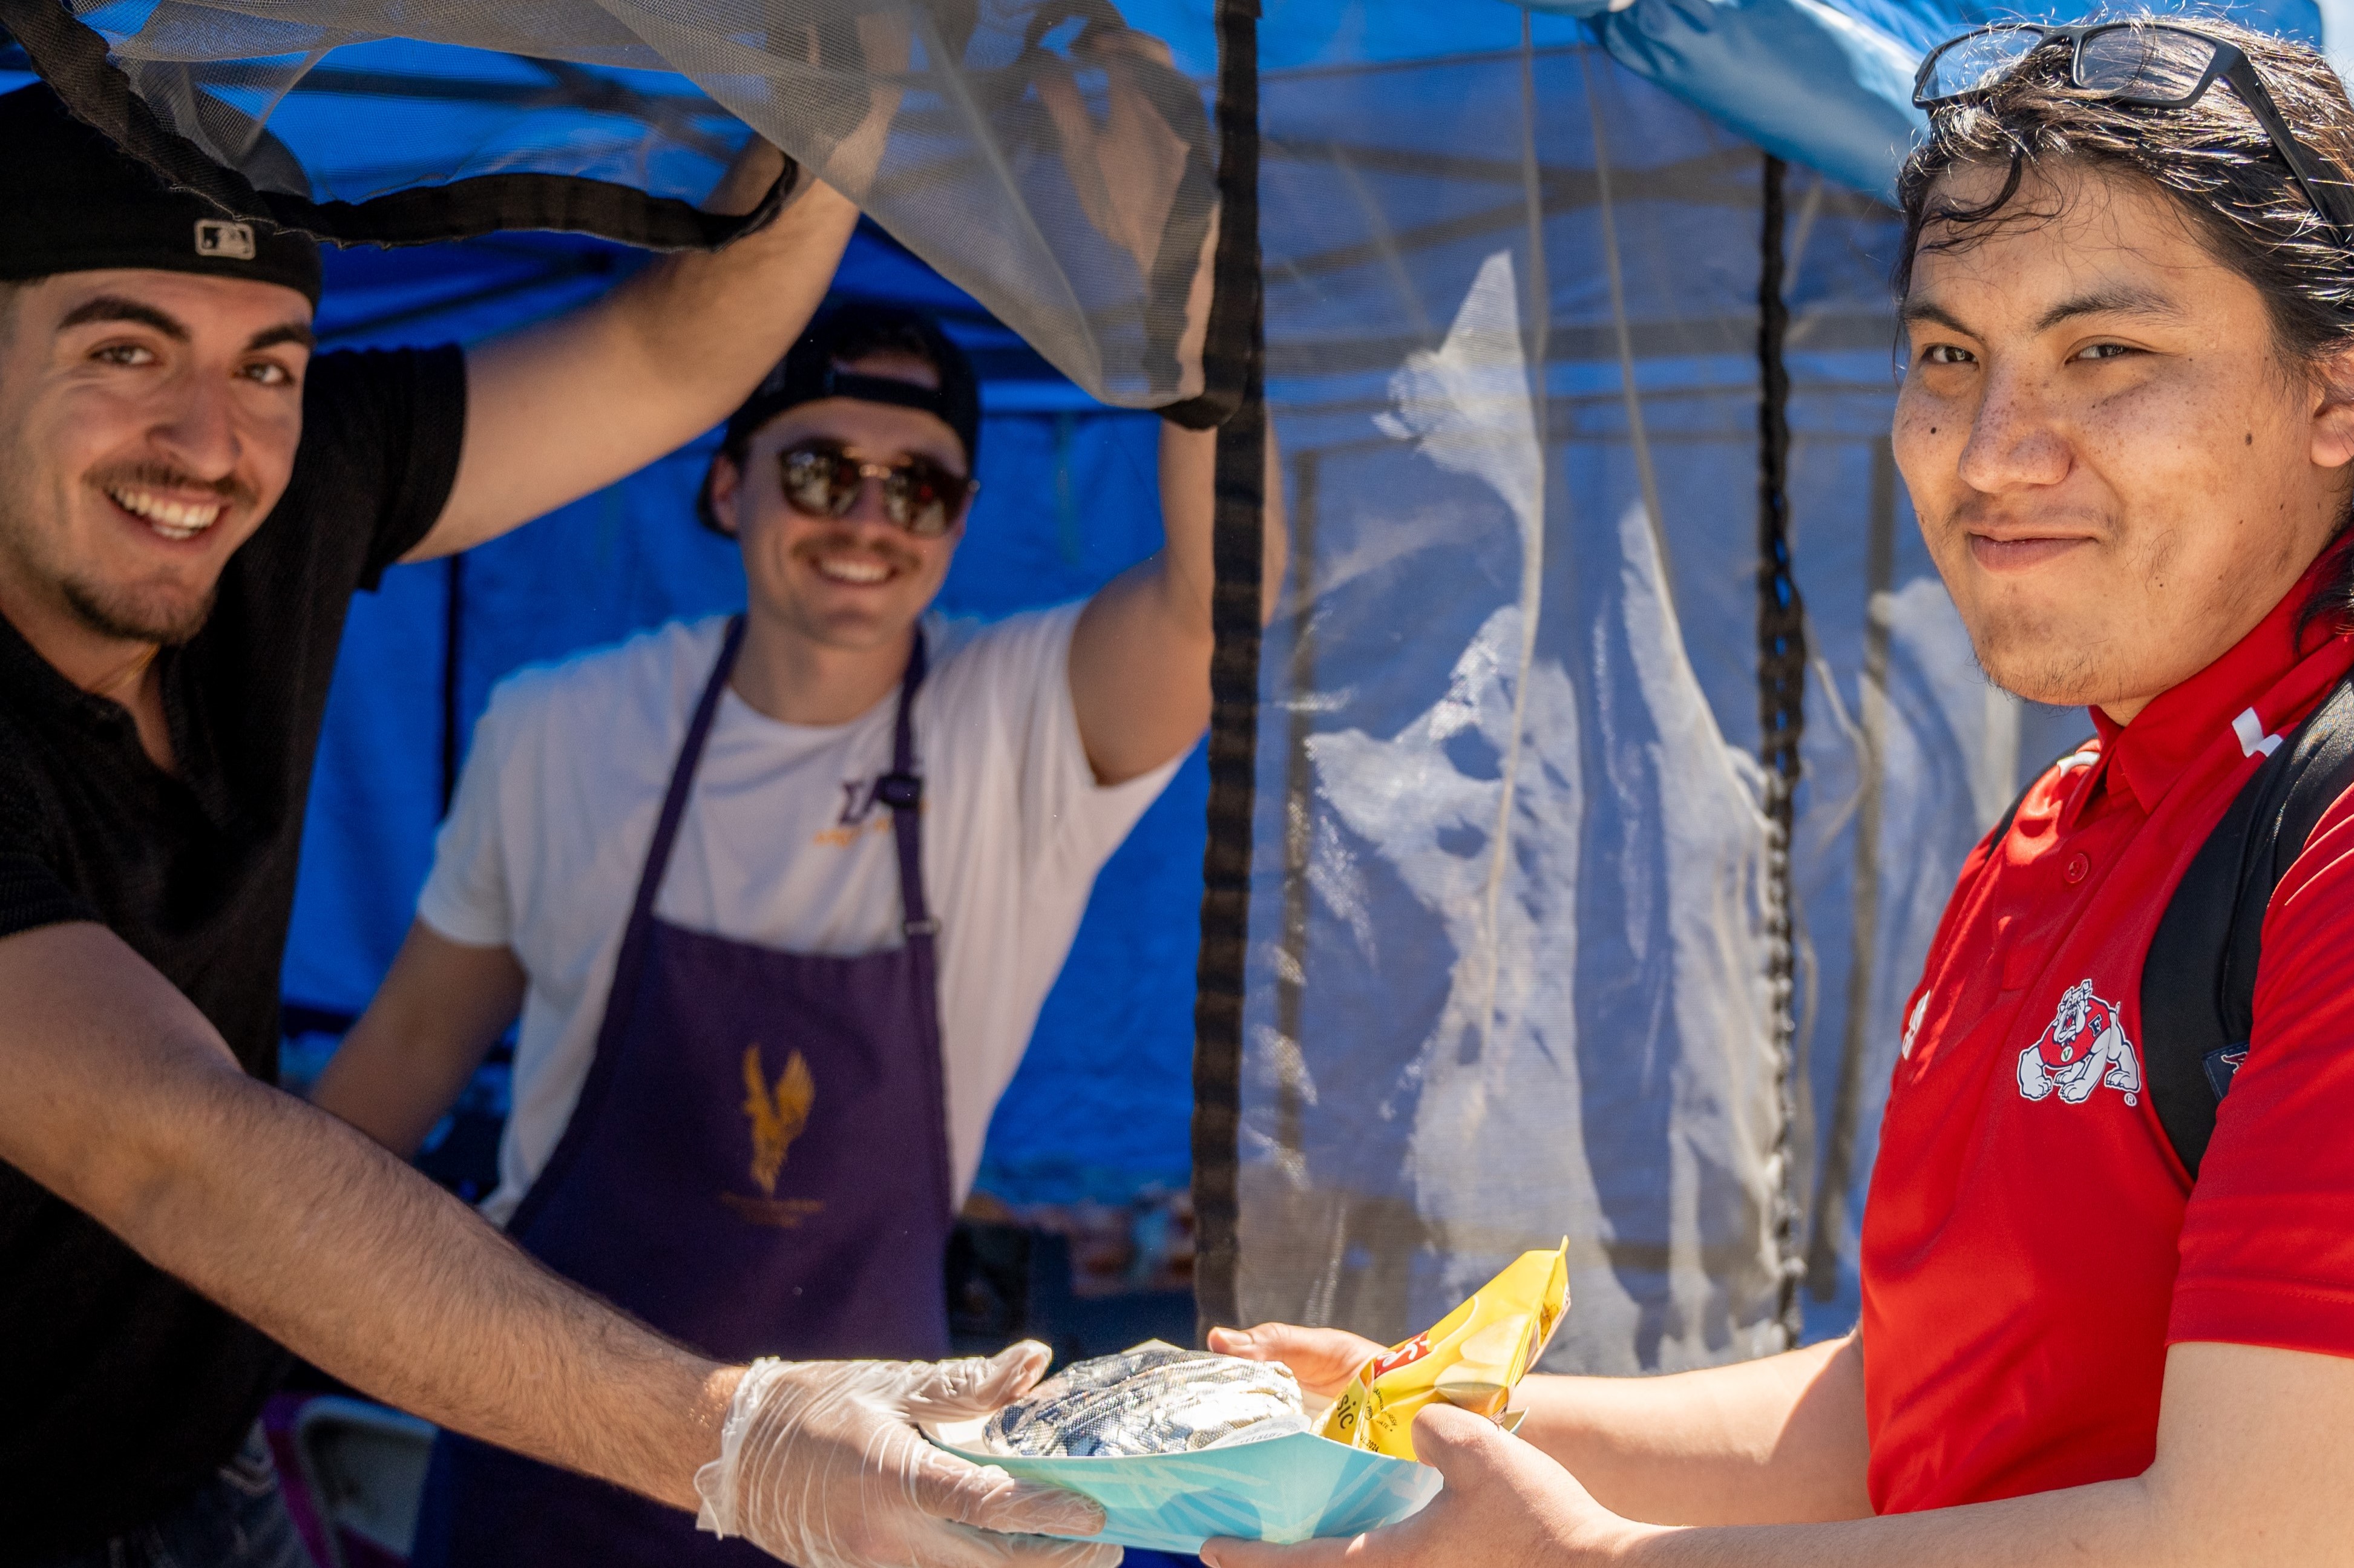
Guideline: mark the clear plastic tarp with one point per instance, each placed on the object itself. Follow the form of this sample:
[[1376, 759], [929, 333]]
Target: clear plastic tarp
[[1507, 938], [1508, 945], [1047, 158]]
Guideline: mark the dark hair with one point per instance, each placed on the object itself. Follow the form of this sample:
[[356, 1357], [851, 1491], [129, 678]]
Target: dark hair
[[841, 336], [2212, 159]]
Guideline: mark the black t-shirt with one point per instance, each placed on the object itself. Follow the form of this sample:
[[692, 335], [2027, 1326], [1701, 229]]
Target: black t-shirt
[[121, 1390]]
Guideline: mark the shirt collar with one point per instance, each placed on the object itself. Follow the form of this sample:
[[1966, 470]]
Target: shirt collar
[[32, 683], [2242, 692], [31, 679]]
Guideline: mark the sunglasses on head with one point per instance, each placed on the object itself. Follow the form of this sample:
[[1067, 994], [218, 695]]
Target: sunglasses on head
[[2155, 65], [920, 496]]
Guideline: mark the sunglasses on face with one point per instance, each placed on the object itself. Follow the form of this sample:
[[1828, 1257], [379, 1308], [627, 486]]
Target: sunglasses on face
[[2158, 66], [920, 496]]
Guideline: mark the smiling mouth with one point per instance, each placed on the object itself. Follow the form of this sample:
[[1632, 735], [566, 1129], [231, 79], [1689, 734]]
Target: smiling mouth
[[2013, 554], [859, 571], [178, 521]]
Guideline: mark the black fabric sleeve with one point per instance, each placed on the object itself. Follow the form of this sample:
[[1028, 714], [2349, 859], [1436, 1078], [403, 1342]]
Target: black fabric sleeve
[[381, 430], [32, 894]]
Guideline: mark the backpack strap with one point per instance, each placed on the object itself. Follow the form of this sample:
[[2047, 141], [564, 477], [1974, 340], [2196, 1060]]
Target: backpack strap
[[2199, 979]]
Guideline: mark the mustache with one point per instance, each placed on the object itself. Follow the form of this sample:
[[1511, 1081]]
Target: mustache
[[884, 550], [1978, 513], [231, 488]]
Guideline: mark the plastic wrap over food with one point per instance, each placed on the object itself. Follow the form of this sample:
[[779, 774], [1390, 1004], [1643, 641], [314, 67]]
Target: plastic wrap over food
[[1152, 1398]]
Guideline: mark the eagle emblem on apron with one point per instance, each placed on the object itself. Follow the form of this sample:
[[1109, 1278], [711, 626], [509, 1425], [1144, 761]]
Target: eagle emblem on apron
[[778, 1115]]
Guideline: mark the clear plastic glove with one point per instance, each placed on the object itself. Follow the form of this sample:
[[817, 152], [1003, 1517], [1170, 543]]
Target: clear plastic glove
[[821, 1464]]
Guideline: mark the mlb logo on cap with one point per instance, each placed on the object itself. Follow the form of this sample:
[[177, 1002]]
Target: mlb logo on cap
[[219, 236]]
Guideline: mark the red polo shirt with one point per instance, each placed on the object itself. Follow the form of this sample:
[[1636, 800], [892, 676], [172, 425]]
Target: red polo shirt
[[2031, 1245]]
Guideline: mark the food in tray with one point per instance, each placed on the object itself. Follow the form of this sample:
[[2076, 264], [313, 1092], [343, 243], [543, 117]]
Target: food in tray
[[1151, 1398]]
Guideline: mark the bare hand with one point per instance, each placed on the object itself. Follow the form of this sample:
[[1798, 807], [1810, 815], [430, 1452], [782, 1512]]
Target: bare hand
[[1324, 1359], [1127, 172], [757, 166], [1143, 176], [1504, 1502]]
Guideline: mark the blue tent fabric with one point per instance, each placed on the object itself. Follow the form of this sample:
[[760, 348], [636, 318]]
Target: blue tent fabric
[[1829, 86]]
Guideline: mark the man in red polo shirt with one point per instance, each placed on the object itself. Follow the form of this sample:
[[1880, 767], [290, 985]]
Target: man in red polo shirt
[[2127, 424]]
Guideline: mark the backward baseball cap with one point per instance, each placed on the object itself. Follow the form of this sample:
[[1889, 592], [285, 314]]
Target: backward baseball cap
[[75, 203], [814, 369]]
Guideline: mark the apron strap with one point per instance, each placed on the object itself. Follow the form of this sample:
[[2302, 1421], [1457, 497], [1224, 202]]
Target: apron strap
[[902, 789], [673, 811]]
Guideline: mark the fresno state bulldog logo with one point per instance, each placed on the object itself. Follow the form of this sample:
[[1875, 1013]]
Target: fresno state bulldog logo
[[2083, 1047]]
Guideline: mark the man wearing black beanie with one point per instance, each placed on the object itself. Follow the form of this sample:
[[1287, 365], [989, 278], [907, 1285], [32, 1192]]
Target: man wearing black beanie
[[188, 499]]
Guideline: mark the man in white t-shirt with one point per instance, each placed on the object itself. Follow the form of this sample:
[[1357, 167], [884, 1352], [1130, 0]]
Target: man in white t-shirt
[[779, 897]]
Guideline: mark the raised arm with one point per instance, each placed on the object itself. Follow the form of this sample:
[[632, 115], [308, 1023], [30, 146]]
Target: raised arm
[[1140, 655], [117, 1095], [556, 410], [429, 1027]]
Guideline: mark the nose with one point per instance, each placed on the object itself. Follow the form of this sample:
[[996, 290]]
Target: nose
[[2015, 442], [867, 508], [199, 431]]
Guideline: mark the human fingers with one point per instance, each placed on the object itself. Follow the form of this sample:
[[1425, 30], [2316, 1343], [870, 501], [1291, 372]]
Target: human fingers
[[1227, 1552], [986, 1498], [1105, 42], [921, 1542], [1046, 1551], [1467, 1450], [1504, 1501], [975, 1385], [939, 1544], [1324, 1359]]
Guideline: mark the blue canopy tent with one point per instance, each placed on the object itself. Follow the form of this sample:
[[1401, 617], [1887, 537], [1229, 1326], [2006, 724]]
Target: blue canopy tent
[[1546, 887]]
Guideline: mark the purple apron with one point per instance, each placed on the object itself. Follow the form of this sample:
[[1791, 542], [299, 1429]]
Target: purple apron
[[757, 1166]]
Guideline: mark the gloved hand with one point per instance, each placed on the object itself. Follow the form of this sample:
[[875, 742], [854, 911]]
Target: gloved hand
[[821, 1464]]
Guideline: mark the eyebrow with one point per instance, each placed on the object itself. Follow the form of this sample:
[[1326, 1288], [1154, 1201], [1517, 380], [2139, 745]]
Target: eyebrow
[[1918, 310], [115, 308], [284, 332], [2116, 299]]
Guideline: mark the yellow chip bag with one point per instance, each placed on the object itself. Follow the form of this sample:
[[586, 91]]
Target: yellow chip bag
[[1473, 1357]]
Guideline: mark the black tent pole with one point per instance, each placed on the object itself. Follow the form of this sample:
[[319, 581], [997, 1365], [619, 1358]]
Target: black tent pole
[[1781, 720], [453, 626], [1233, 358]]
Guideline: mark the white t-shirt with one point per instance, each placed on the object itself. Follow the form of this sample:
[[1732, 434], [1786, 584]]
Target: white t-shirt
[[780, 845]]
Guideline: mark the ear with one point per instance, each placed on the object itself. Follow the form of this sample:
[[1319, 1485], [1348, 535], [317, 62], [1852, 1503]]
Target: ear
[[722, 489], [2332, 444]]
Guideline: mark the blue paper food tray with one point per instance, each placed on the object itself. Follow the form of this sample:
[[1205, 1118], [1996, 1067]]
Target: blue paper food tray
[[1284, 1490]]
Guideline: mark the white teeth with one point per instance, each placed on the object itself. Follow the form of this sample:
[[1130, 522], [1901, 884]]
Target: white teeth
[[847, 570], [172, 519]]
